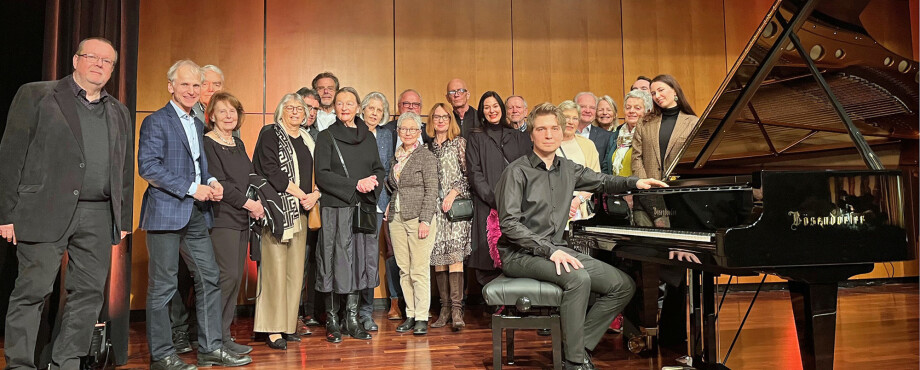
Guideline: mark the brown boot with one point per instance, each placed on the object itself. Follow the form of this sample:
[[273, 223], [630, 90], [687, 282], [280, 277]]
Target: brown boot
[[394, 313], [443, 290], [456, 299]]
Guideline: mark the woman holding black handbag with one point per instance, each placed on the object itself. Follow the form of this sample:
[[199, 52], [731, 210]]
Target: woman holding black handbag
[[348, 172], [452, 242]]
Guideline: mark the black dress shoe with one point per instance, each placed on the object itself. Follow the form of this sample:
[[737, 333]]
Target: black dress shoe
[[171, 362], [223, 357], [180, 342], [421, 327], [279, 343], [290, 337], [369, 324], [237, 348], [589, 364], [310, 321], [568, 365], [407, 325]]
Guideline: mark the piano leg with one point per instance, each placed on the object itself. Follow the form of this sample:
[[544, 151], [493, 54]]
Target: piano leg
[[710, 331], [694, 295], [648, 284], [815, 308]]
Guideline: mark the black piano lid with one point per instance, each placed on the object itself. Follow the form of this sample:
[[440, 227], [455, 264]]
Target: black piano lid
[[770, 107]]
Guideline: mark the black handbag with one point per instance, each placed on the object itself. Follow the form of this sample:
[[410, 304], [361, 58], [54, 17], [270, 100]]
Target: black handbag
[[364, 220], [460, 210]]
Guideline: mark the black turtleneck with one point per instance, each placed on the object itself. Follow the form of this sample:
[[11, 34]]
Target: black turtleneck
[[494, 130], [668, 121]]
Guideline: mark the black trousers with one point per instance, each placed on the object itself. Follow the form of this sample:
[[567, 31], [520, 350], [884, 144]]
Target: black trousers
[[230, 251], [88, 243], [311, 300], [180, 314], [163, 265], [579, 331]]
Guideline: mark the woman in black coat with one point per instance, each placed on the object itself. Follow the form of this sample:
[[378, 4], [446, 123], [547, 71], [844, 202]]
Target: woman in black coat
[[489, 149], [347, 260]]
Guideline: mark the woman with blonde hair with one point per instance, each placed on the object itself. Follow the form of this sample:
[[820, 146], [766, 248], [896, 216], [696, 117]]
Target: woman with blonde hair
[[452, 242]]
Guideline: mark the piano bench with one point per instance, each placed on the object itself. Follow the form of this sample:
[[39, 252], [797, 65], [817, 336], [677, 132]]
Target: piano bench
[[523, 304]]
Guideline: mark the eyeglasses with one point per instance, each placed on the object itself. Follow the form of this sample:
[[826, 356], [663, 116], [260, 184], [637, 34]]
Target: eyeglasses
[[326, 88], [350, 104], [411, 105], [292, 109], [108, 63], [437, 117], [457, 91], [408, 130]]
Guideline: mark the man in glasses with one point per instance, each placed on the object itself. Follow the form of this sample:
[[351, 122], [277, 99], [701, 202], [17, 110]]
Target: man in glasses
[[66, 184], [409, 101], [459, 97], [325, 84]]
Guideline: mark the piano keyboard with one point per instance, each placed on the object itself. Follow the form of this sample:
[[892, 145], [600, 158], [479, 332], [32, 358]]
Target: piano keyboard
[[651, 233]]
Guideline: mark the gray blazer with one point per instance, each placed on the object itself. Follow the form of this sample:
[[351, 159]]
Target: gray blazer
[[417, 186], [41, 173]]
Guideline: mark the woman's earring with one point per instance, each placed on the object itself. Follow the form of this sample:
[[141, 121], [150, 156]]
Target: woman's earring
[[675, 97]]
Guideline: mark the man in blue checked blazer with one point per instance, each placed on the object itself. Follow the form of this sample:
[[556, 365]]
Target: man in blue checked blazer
[[175, 213]]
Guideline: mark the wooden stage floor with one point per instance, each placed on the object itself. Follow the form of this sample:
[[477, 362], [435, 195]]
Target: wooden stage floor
[[877, 328]]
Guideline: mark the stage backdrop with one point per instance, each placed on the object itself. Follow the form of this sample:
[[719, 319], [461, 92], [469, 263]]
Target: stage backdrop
[[544, 50]]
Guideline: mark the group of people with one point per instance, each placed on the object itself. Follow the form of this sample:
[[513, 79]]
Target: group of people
[[329, 176]]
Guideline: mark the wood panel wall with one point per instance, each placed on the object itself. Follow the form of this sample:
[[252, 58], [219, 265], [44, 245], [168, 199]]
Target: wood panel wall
[[544, 50]]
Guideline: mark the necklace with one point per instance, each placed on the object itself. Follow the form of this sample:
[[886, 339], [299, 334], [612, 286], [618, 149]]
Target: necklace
[[229, 142]]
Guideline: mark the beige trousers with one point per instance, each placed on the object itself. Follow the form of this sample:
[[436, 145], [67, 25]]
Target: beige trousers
[[280, 281], [413, 256]]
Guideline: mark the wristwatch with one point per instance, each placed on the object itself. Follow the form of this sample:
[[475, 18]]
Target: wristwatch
[[582, 198]]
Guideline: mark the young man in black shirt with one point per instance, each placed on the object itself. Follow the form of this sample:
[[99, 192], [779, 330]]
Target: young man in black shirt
[[535, 202]]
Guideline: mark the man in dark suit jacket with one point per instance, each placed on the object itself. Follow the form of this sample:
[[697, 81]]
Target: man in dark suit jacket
[[587, 113], [171, 159], [66, 184]]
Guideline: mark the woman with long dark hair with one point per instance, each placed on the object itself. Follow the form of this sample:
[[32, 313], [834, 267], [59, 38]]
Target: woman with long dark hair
[[656, 142], [490, 148]]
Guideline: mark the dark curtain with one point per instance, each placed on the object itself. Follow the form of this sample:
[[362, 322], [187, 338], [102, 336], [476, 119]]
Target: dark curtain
[[66, 23], [23, 22]]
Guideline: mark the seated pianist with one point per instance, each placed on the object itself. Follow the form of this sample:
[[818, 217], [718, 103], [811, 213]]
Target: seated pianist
[[534, 198]]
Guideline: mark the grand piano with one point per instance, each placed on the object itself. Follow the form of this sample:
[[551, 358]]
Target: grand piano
[[781, 176]]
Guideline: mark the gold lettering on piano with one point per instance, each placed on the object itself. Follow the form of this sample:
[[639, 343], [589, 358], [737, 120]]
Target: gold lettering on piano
[[841, 219], [659, 212]]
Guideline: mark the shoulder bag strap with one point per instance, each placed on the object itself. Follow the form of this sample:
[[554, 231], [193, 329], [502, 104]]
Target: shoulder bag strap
[[339, 152]]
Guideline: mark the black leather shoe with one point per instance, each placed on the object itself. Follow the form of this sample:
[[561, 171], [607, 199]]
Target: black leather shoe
[[568, 365], [290, 337], [223, 357], [589, 364], [279, 343], [171, 362], [421, 327], [368, 324], [310, 321], [407, 325], [180, 342], [237, 348]]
